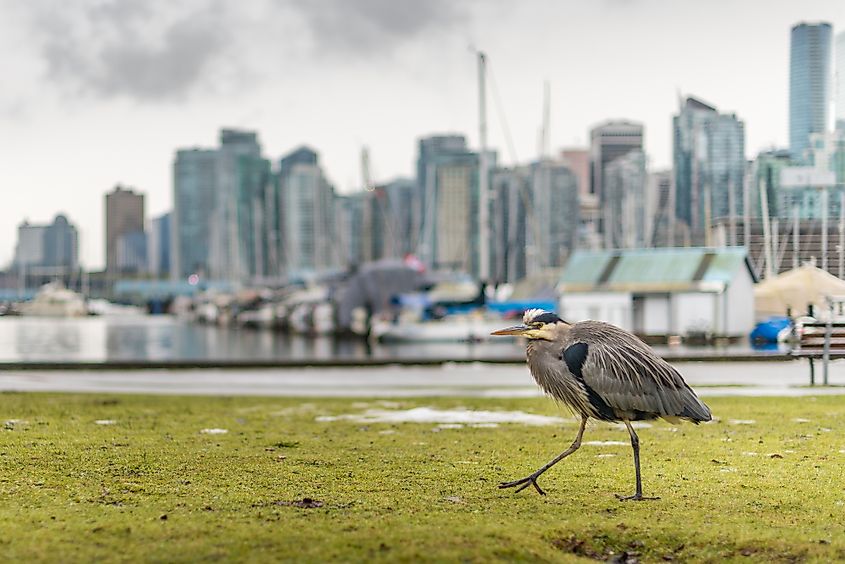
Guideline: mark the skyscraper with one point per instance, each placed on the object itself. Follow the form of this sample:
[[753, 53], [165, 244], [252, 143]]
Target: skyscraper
[[53, 247], [431, 151], [609, 141], [124, 214], [554, 216], [511, 198], [839, 81], [194, 201], [709, 165], [625, 209], [158, 245], [307, 216], [237, 249], [447, 181], [809, 84]]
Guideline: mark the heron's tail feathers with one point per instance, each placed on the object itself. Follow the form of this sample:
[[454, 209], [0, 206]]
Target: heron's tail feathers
[[696, 411]]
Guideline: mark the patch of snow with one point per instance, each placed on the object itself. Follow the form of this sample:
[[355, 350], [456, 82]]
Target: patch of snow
[[105, 422], [742, 421], [749, 453], [445, 416], [214, 431], [605, 455], [801, 420]]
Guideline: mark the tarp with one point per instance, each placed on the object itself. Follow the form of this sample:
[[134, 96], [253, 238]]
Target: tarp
[[373, 286], [795, 289]]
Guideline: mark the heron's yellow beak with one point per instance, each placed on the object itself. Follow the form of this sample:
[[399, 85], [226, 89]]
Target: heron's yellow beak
[[515, 330]]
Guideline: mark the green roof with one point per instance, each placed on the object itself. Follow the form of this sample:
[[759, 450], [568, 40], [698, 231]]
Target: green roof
[[653, 270]]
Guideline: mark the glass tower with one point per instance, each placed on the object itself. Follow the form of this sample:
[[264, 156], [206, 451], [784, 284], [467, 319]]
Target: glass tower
[[809, 84]]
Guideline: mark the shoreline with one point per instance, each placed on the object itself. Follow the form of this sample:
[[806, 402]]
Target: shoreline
[[242, 364]]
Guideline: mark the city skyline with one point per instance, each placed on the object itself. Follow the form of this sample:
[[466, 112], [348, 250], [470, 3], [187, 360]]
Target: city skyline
[[69, 138]]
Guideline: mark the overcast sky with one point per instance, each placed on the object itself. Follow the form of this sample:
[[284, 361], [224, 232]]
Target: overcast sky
[[96, 93]]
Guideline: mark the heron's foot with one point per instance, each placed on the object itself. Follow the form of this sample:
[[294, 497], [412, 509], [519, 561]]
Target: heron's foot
[[635, 497], [523, 483]]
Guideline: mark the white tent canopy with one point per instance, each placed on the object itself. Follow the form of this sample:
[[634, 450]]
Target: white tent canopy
[[796, 289]]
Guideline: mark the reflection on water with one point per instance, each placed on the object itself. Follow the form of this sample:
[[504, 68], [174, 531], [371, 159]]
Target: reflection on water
[[160, 338]]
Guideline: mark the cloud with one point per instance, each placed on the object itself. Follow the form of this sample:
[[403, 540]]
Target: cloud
[[162, 51], [371, 26], [130, 48]]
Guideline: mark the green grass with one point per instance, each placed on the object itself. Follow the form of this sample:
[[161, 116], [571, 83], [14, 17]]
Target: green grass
[[151, 486]]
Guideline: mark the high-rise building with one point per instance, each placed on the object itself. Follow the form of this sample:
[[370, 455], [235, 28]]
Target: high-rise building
[[663, 225], [625, 204], [223, 204], [431, 151], [765, 175], [124, 214], [447, 221], [709, 165], [511, 199], [158, 246], [53, 247], [609, 141], [194, 202], [554, 217], [400, 194], [809, 84], [131, 252], [578, 161], [237, 237], [839, 81], [307, 216], [29, 250], [455, 225]]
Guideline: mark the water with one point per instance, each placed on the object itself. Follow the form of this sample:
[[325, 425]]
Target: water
[[164, 338]]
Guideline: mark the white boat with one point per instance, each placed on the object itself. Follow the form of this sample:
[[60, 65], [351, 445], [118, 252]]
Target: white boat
[[54, 300], [464, 329], [106, 308]]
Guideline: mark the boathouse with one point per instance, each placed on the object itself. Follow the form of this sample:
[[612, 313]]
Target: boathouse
[[657, 293]]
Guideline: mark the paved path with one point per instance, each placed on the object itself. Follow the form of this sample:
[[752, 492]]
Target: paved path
[[710, 378]]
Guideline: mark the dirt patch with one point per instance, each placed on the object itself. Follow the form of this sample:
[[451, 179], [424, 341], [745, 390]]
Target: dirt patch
[[304, 503], [586, 549]]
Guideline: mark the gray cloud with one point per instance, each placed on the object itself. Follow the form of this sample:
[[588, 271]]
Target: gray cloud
[[370, 26], [129, 48], [159, 51]]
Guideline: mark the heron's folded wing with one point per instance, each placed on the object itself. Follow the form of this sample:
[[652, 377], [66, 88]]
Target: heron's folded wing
[[630, 377]]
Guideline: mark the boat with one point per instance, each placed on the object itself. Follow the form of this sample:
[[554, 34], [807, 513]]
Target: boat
[[54, 300], [457, 328]]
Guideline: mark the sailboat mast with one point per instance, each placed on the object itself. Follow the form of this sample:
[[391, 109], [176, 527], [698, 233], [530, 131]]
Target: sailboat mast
[[767, 235], [825, 211], [483, 194]]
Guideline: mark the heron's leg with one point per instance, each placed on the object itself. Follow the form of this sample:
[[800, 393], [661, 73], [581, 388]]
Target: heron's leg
[[531, 480], [635, 444]]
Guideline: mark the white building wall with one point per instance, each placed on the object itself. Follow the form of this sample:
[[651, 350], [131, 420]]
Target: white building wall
[[612, 307], [695, 311], [739, 298], [656, 315]]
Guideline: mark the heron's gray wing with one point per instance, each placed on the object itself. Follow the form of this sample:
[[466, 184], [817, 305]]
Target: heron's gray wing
[[629, 377]]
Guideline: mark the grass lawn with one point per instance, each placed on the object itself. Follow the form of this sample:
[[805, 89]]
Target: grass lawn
[[99, 477]]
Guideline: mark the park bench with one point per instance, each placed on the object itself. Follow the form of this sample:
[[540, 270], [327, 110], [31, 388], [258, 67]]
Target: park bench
[[823, 340]]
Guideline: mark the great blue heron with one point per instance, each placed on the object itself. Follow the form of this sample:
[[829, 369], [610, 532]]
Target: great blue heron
[[604, 372]]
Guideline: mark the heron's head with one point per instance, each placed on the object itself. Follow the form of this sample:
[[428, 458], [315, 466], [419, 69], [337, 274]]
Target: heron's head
[[537, 324]]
